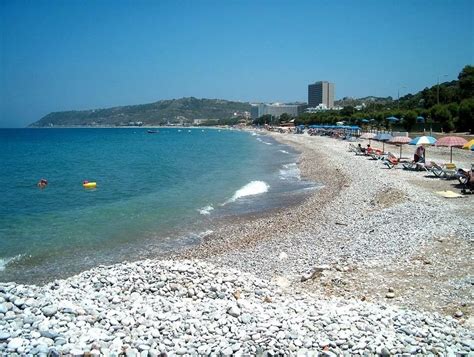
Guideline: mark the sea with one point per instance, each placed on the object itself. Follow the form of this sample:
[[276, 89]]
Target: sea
[[155, 193]]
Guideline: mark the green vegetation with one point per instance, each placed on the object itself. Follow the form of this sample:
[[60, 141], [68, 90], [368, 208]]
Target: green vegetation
[[175, 111], [455, 110]]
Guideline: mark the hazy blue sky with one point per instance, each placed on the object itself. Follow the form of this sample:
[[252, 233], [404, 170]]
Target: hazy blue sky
[[64, 55]]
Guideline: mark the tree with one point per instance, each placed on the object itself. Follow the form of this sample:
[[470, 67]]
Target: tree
[[466, 115], [285, 117], [466, 82], [347, 111], [441, 114], [409, 120], [264, 119]]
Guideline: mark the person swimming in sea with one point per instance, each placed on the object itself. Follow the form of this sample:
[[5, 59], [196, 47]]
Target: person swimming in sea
[[42, 183]]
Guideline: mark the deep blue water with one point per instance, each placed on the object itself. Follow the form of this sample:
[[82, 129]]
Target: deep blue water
[[155, 192]]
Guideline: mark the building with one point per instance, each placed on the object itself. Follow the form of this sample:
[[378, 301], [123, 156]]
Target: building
[[321, 93], [276, 109]]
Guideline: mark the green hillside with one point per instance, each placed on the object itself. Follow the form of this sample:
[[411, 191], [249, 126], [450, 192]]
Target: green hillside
[[182, 110]]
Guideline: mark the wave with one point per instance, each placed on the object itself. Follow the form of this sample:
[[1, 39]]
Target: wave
[[251, 189], [284, 151], [5, 261], [290, 172], [263, 141], [206, 210]]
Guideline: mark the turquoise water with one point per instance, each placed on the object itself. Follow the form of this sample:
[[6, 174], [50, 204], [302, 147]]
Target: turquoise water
[[155, 193]]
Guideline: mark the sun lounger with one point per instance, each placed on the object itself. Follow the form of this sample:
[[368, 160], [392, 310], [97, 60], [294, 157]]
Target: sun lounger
[[414, 166], [446, 171], [377, 154], [391, 161]]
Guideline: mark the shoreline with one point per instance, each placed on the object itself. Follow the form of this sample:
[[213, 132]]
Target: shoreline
[[382, 258], [338, 214]]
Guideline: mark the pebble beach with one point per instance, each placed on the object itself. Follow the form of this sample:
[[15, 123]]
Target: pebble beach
[[373, 262]]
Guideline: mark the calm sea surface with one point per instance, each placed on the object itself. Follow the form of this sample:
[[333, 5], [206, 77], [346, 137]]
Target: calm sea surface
[[155, 193]]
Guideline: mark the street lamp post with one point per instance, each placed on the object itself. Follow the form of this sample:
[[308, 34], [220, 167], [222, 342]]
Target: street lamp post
[[398, 96], [437, 88]]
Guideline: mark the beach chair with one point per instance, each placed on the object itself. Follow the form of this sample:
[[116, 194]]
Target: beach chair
[[415, 166], [446, 171], [391, 161], [377, 154]]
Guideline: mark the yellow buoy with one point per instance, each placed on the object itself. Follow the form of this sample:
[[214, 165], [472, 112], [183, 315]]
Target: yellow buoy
[[87, 184]]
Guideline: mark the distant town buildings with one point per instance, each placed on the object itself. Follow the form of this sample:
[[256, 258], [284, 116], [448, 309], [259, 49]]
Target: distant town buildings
[[276, 109], [321, 93]]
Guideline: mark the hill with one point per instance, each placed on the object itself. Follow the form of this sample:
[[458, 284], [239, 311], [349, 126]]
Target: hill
[[183, 110]]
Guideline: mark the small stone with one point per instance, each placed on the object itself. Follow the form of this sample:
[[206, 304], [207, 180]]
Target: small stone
[[458, 314], [15, 343], [76, 352], [3, 308], [323, 343], [181, 351], [227, 351], [49, 334], [235, 347], [384, 352], [390, 295], [234, 311], [19, 302], [283, 256], [245, 318], [49, 310], [256, 336], [4, 335]]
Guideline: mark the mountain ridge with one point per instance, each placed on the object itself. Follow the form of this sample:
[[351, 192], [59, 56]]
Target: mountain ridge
[[182, 110]]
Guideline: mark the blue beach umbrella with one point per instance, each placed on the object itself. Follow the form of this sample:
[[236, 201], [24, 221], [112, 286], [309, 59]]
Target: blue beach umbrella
[[420, 119], [423, 140], [365, 120], [393, 119]]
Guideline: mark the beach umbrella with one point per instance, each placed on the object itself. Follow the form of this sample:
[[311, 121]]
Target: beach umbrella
[[393, 119], [383, 137], [423, 140], [469, 145], [451, 141], [400, 140], [369, 136], [365, 120], [420, 119]]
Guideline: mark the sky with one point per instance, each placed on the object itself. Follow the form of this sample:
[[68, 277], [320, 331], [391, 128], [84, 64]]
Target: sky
[[77, 54]]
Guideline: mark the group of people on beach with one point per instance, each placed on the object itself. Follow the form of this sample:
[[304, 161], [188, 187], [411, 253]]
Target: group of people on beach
[[419, 156]]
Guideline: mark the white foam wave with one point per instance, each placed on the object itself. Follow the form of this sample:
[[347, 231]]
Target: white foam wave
[[284, 151], [5, 261], [251, 189], [205, 233], [290, 172], [255, 134], [206, 210], [263, 141]]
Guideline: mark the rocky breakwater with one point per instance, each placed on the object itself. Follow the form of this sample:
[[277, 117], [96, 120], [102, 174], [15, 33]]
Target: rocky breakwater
[[194, 308]]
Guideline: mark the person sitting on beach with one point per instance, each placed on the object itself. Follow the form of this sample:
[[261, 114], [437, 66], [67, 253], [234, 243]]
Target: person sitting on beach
[[360, 148], [42, 183], [368, 149], [419, 154]]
